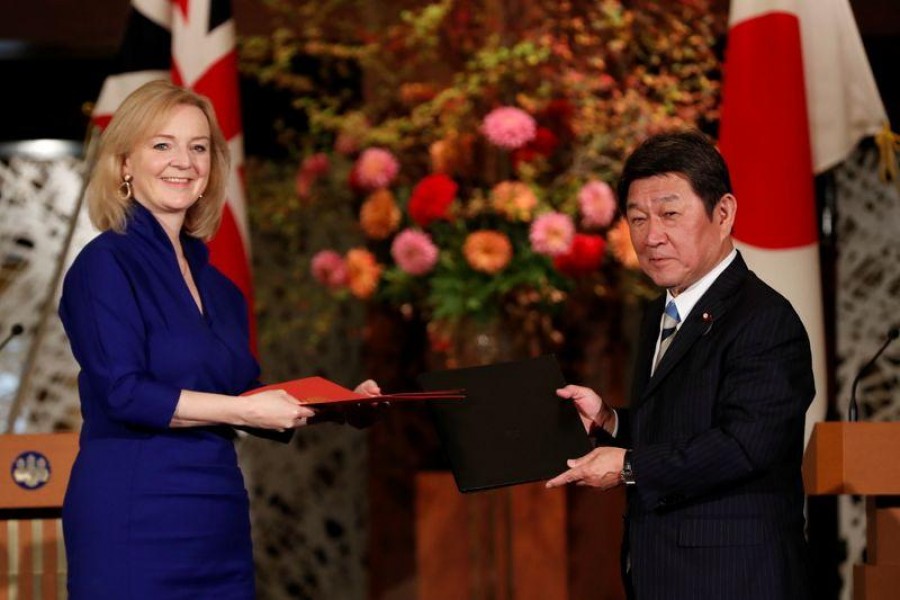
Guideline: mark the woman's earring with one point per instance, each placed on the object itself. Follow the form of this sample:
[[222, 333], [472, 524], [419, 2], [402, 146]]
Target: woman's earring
[[125, 192]]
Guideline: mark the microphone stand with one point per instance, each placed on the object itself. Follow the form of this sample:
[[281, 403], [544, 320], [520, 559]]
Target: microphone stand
[[16, 330], [48, 305], [853, 411]]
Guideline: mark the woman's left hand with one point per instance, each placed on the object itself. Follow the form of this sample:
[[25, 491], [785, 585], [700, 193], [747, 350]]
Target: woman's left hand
[[363, 414]]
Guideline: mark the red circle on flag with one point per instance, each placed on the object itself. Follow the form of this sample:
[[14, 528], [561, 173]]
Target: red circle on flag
[[764, 133]]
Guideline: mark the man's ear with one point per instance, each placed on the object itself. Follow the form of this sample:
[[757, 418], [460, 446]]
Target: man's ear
[[725, 212]]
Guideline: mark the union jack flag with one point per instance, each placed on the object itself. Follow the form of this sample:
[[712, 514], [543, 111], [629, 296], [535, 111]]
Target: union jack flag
[[192, 43]]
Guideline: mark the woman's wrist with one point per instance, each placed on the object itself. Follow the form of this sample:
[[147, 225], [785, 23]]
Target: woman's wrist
[[244, 411], [204, 408]]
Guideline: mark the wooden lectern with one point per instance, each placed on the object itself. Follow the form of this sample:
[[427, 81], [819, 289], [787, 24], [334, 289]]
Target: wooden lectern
[[523, 542], [863, 459], [34, 473]]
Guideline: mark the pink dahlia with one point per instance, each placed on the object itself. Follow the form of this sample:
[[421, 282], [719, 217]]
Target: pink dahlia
[[329, 269], [552, 234], [597, 203], [414, 252], [509, 127], [376, 168]]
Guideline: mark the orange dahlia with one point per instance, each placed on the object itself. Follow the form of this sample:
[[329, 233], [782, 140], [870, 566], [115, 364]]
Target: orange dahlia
[[487, 251], [363, 273], [619, 238], [379, 215]]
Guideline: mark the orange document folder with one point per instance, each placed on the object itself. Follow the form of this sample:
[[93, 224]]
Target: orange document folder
[[318, 391]]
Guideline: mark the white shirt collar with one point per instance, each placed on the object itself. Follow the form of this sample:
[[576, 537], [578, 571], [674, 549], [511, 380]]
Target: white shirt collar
[[686, 300]]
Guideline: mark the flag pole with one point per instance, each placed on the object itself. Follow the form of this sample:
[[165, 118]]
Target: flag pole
[[47, 305]]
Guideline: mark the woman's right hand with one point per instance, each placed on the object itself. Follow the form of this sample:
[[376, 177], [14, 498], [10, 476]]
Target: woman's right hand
[[275, 409]]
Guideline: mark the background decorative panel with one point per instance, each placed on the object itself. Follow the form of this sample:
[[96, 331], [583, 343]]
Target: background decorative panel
[[867, 302], [40, 184]]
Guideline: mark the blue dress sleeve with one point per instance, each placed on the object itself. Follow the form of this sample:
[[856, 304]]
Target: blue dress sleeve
[[103, 321]]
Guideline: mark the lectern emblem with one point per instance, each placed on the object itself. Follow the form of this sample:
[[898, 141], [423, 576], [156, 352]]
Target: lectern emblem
[[31, 470]]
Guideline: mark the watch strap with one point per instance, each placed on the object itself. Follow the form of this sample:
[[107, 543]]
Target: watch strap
[[627, 473]]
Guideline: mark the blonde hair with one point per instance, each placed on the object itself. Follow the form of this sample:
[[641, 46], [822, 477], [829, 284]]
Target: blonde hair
[[144, 110]]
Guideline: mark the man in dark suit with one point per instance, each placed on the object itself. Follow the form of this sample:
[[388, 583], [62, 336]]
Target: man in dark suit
[[711, 445]]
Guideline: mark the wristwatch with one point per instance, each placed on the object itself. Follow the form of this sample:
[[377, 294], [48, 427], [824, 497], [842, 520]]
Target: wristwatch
[[627, 473]]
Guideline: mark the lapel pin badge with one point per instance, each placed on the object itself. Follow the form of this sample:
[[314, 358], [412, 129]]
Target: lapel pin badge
[[708, 319]]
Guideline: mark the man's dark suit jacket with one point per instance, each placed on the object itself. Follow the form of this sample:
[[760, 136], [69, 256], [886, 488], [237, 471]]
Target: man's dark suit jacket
[[717, 439]]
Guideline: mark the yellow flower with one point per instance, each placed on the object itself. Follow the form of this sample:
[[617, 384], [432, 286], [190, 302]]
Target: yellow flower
[[452, 154], [619, 240], [487, 251], [514, 200], [379, 215], [442, 156], [363, 273]]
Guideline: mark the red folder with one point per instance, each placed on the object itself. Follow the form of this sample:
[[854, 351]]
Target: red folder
[[318, 391]]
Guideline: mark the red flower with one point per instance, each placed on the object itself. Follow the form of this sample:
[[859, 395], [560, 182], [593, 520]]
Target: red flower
[[353, 181], [543, 144], [558, 115], [584, 258], [431, 199], [545, 141]]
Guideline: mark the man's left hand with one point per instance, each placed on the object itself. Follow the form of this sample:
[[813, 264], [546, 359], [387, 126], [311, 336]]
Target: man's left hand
[[599, 468]]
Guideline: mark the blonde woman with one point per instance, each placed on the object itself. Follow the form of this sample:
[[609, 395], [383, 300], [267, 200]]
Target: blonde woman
[[156, 505]]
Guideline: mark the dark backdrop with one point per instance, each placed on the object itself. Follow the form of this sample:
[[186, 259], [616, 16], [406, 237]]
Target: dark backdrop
[[55, 54]]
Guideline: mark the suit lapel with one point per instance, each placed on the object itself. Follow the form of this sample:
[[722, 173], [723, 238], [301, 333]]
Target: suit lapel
[[711, 306], [646, 346]]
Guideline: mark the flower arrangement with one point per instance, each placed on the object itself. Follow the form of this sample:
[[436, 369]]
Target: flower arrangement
[[452, 256], [478, 158]]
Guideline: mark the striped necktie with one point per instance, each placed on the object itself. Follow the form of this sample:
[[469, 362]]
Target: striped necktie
[[670, 322]]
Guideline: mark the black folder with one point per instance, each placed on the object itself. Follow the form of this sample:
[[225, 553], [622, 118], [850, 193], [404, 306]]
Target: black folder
[[511, 428]]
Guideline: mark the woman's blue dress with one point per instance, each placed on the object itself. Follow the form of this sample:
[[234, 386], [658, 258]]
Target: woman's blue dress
[[151, 511]]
